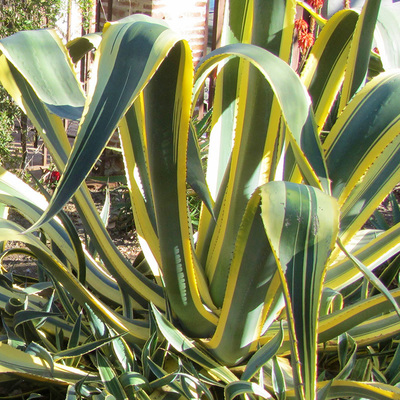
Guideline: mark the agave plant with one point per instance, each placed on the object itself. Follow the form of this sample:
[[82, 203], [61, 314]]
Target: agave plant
[[273, 271]]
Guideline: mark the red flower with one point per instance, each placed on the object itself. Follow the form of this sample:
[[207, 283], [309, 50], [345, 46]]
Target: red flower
[[54, 176], [306, 40], [316, 4], [301, 25]]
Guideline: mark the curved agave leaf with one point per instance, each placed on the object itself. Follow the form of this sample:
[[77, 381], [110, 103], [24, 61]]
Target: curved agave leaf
[[244, 387], [364, 174], [324, 70], [131, 131], [164, 378], [321, 21], [392, 370], [247, 304], [13, 361], [128, 56], [49, 125], [134, 131], [35, 302], [372, 254], [347, 352], [159, 41], [253, 22], [366, 311], [62, 97], [302, 224], [357, 65], [77, 48], [389, 273], [166, 120], [371, 277], [262, 356], [295, 108], [363, 320], [195, 172], [331, 300], [245, 123], [109, 377], [371, 333], [83, 349]]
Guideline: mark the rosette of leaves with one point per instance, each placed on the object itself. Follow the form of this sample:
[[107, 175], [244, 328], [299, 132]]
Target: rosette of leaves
[[274, 269]]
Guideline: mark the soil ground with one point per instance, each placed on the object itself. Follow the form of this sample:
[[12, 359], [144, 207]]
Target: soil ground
[[120, 228]]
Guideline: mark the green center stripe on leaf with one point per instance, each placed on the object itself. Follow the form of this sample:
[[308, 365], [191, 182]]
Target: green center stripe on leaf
[[301, 223]]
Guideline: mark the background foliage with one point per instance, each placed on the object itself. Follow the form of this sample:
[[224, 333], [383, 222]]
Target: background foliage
[[16, 16]]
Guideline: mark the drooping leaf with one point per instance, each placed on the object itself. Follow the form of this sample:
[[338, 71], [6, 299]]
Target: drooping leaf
[[80, 46], [16, 361]]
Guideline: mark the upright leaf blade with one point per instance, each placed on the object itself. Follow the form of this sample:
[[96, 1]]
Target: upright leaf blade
[[357, 65], [324, 70], [302, 225]]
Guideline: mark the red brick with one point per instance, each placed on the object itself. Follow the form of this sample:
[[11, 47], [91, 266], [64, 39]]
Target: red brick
[[193, 21]]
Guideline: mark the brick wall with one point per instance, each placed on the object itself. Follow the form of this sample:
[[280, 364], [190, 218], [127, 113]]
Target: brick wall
[[122, 8], [187, 17]]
